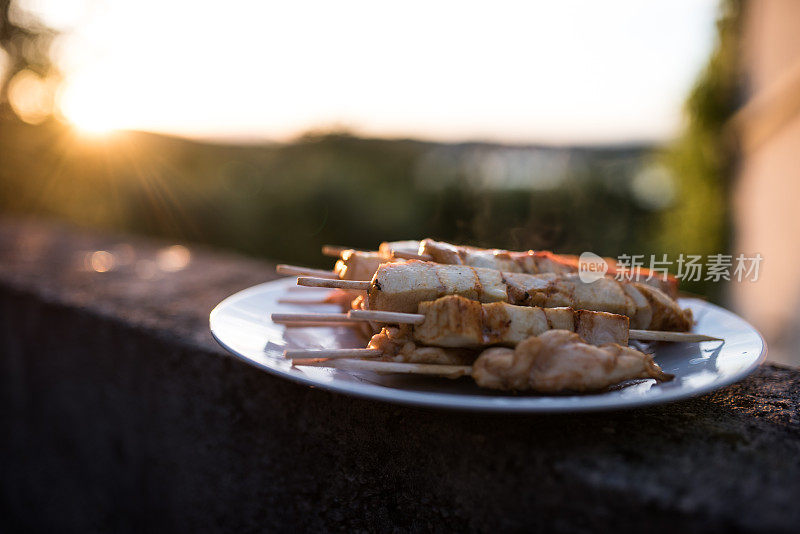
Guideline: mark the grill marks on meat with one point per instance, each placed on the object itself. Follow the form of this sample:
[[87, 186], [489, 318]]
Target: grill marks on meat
[[647, 307], [556, 361], [451, 322], [502, 260], [559, 360], [402, 286], [599, 328], [551, 290], [665, 316], [528, 262], [454, 321]]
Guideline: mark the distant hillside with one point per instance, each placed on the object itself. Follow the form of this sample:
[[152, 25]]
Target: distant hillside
[[285, 200]]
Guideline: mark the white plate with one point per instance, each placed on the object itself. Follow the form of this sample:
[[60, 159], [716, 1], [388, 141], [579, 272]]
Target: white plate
[[241, 323]]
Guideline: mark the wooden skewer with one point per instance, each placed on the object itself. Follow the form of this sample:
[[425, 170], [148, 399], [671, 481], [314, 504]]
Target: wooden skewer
[[642, 335], [660, 335], [304, 301], [295, 270], [450, 371], [284, 318], [418, 318], [354, 316], [411, 256], [333, 251], [387, 317], [311, 324], [331, 354], [310, 318], [336, 251], [327, 282], [303, 289]]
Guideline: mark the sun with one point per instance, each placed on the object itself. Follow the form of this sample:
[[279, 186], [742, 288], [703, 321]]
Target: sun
[[88, 108], [91, 124]]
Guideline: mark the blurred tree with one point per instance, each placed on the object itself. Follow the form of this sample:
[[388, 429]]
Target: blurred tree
[[283, 201], [702, 160], [27, 43]]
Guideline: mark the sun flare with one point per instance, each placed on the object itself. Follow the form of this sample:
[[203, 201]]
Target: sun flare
[[93, 125], [143, 66], [88, 109]]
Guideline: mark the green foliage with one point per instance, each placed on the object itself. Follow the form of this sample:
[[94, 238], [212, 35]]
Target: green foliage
[[703, 158], [26, 41], [285, 201]]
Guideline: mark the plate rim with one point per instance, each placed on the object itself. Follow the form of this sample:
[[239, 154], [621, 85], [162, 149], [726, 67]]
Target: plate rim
[[542, 405]]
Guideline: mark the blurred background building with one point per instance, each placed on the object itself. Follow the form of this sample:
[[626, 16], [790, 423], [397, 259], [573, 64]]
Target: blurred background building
[[767, 193], [270, 129]]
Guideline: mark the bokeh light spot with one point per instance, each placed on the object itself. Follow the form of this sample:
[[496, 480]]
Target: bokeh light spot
[[30, 96], [101, 261], [173, 259]]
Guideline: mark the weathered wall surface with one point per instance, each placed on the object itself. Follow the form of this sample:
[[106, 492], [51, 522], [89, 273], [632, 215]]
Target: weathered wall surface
[[119, 412]]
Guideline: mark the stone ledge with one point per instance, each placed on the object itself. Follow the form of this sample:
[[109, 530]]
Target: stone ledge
[[122, 413]]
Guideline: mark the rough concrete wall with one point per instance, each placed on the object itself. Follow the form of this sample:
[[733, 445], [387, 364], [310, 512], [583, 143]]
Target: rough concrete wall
[[119, 413]]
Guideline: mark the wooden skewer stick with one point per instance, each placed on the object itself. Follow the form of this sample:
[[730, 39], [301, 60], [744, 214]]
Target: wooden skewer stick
[[284, 318], [418, 318], [312, 324], [304, 302], [333, 251], [450, 371], [306, 290], [295, 270], [331, 354], [411, 256], [354, 316], [659, 335], [642, 335], [387, 317], [327, 282]]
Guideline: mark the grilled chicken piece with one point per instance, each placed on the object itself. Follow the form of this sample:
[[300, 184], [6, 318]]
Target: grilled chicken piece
[[397, 345], [357, 265], [365, 328], [387, 249], [666, 314], [455, 321], [503, 260], [361, 265], [559, 360], [647, 306], [402, 286], [552, 290], [528, 262]]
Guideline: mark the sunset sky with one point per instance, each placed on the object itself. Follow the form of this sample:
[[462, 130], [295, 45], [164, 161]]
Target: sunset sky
[[561, 72]]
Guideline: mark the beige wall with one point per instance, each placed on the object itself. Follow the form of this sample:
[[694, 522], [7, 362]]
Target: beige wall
[[767, 192]]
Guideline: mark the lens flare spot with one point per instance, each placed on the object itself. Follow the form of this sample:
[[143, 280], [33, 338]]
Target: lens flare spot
[[30, 96], [173, 259], [88, 107], [101, 261]]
